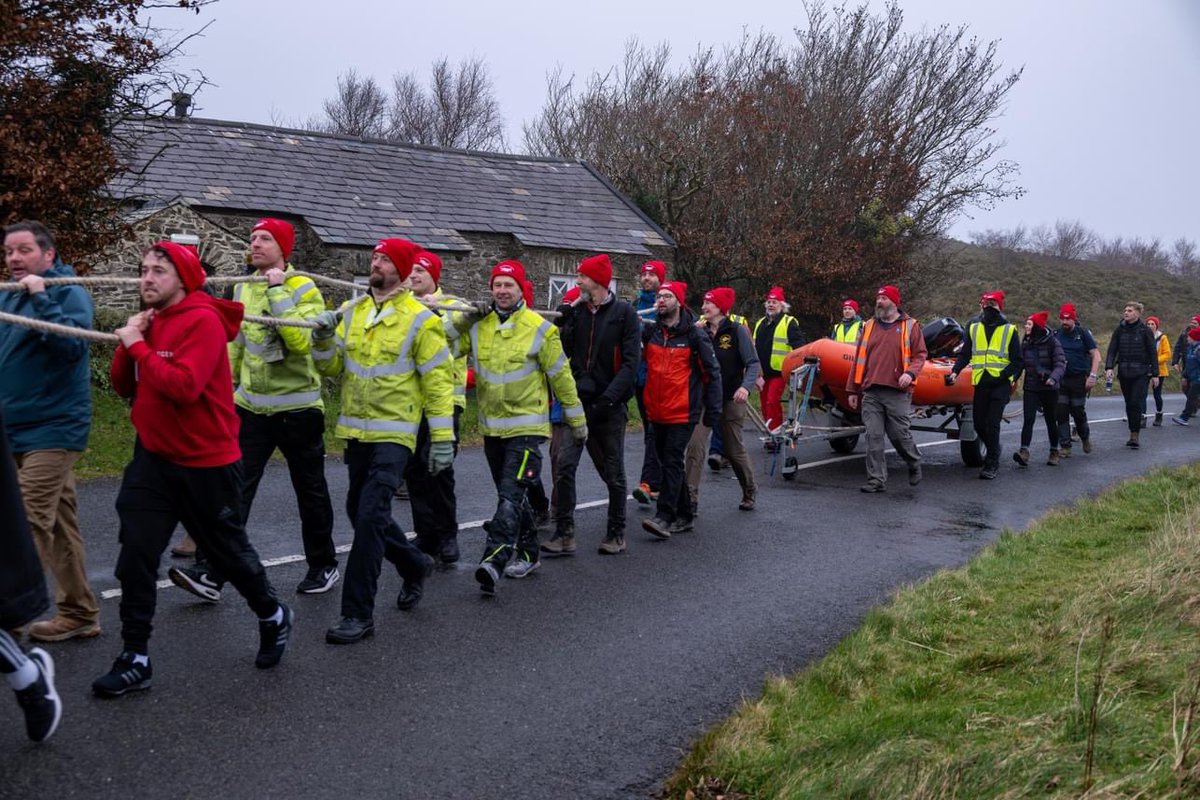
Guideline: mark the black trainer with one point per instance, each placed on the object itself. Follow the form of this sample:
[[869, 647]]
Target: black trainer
[[197, 581], [273, 639], [488, 576], [410, 591], [318, 580], [449, 550], [126, 675], [39, 700], [350, 630]]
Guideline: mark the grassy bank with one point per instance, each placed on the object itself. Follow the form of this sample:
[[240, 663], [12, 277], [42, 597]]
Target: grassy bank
[[1062, 662]]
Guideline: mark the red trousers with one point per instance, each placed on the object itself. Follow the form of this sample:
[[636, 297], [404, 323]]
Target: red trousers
[[770, 398]]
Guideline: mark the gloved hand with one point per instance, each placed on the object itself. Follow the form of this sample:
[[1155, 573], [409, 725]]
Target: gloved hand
[[580, 433], [327, 322], [482, 308], [441, 456], [711, 420]]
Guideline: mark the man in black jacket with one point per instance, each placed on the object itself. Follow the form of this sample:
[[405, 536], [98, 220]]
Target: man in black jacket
[[1133, 352], [601, 337]]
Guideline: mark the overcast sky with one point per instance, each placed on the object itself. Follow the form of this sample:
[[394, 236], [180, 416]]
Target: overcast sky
[[1104, 121]]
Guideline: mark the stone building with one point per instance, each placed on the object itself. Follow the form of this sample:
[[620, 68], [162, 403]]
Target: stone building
[[213, 179]]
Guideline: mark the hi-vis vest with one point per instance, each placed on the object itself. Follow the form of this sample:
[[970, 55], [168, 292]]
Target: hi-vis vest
[[841, 333], [738, 319], [860, 352], [779, 342], [990, 356]]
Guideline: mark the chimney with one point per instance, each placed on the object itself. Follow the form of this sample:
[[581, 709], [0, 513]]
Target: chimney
[[181, 101]]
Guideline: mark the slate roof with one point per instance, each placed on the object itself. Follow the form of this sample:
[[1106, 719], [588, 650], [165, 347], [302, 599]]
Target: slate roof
[[353, 191]]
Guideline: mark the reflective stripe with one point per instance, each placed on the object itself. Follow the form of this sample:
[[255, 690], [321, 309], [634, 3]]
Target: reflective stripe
[[440, 358], [323, 349], [385, 425], [296, 399], [842, 334], [557, 366], [441, 422], [241, 339], [359, 370], [779, 340], [280, 306], [504, 423], [460, 390], [538, 339], [253, 347], [860, 352], [573, 412], [989, 355], [505, 377]]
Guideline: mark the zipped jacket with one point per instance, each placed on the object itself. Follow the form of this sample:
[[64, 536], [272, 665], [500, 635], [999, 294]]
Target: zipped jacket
[[1044, 362], [683, 379], [604, 348], [775, 340], [1132, 350], [458, 364]]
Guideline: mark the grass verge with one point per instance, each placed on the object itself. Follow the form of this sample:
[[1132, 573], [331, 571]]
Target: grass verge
[[1061, 662]]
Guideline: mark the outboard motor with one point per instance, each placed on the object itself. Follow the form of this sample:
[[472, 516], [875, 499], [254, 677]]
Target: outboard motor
[[943, 337]]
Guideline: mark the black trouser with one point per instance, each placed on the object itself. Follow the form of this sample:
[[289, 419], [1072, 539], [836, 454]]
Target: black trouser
[[564, 463], [299, 435], [606, 446], [431, 497], [155, 496], [991, 396], [1072, 397], [1046, 401], [1158, 401], [516, 466], [1193, 400], [375, 469], [1133, 389], [652, 474], [670, 444]]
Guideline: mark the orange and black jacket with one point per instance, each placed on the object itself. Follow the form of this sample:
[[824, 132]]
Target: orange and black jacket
[[683, 379]]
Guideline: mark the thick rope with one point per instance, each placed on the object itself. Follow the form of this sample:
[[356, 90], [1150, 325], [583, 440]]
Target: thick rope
[[61, 330]]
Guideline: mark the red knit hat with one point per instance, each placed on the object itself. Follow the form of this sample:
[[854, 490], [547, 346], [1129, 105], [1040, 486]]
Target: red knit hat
[[527, 293], [1194, 334], [511, 268], [890, 292], [1040, 318], [282, 232], [1196, 320], [572, 295], [853, 304], [997, 295], [1157, 322], [677, 288], [187, 264], [431, 264], [658, 268], [722, 297], [598, 268], [776, 293], [401, 253], [1067, 311]]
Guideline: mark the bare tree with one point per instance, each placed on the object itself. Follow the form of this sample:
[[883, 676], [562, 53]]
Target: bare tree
[[1185, 258], [358, 109], [1069, 239], [1016, 239]]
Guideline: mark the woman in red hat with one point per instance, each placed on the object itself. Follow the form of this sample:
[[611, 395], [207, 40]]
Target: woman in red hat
[[1044, 363]]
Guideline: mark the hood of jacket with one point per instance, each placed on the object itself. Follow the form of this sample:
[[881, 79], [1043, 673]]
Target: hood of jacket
[[229, 312]]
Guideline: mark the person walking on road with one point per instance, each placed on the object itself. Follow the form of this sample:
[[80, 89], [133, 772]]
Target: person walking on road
[[1044, 364], [775, 335], [1083, 365], [46, 392], [888, 356], [186, 467], [849, 328], [1133, 353], [1163, 346], [653, 275], [390, 352], [1190, 355], [993, 349]]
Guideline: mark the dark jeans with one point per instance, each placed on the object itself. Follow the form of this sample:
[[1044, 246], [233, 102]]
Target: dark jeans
[[1046, 401], [431, 497], [652, 474], [670, 445], [1158, 401], [988, 410], [155, 496], [716, 445], [564, 461], [516, 466], [1072, 397], [375, 470], [1133, 389], [606, 446], [1193, 400]]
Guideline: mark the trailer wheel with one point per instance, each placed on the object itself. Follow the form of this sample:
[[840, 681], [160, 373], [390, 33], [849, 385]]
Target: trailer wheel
[[844, 445], [972, 452], [790, 465]]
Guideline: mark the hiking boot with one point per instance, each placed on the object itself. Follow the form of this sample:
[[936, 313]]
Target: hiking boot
[[1087, 445], [273, 639], [644, 494], [562, 543], [613, 544], [1180, 421], [197, 581], [1133, 440], [449, 549], [1158, 420], [411, 589], [871, 487], [126, 675], [1064, 452], [1022, 456], [61, 628], [39, 700], [488, 576], [318, 580], [658, 527], [683, 525], [1053, 460], [520, 568], [914, 474], [989, 472], [747, 503], [715, 462], [350, 630]]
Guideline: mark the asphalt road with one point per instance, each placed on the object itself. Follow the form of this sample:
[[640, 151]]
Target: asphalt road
[[587, 680]]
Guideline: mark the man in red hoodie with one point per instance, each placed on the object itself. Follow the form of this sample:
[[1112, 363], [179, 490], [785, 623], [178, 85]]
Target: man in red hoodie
[[186, 463]]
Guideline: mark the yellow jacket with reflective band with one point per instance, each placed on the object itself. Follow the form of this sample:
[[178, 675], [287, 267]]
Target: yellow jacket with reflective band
[[847, 333], [779, 341], [394, 366], [513, 360], [269, 387], [459, 362], [990, 356]]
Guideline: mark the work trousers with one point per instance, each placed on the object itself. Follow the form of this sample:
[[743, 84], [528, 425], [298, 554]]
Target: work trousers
[[1072, 399], [606, 447], [1133, 389], [987, 409], [1046, 401], [733, 418], [885, 413], [47, 479], [771, 400], [516, 466], [155, 496], [670, 444], [375, 469], [432, 497], [651, 468]]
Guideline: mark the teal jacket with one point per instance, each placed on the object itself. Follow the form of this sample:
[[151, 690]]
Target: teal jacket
[[45, 391]]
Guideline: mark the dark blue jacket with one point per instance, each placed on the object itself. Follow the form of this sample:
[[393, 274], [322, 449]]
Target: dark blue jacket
[[23, 594], [45, 391]]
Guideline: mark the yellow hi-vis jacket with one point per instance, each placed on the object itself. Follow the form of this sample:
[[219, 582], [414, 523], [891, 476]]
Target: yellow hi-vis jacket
[[779, 340], [513, 360], [272, 367], [458, 362], [989, 356], [394, 366], [847, 333]]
